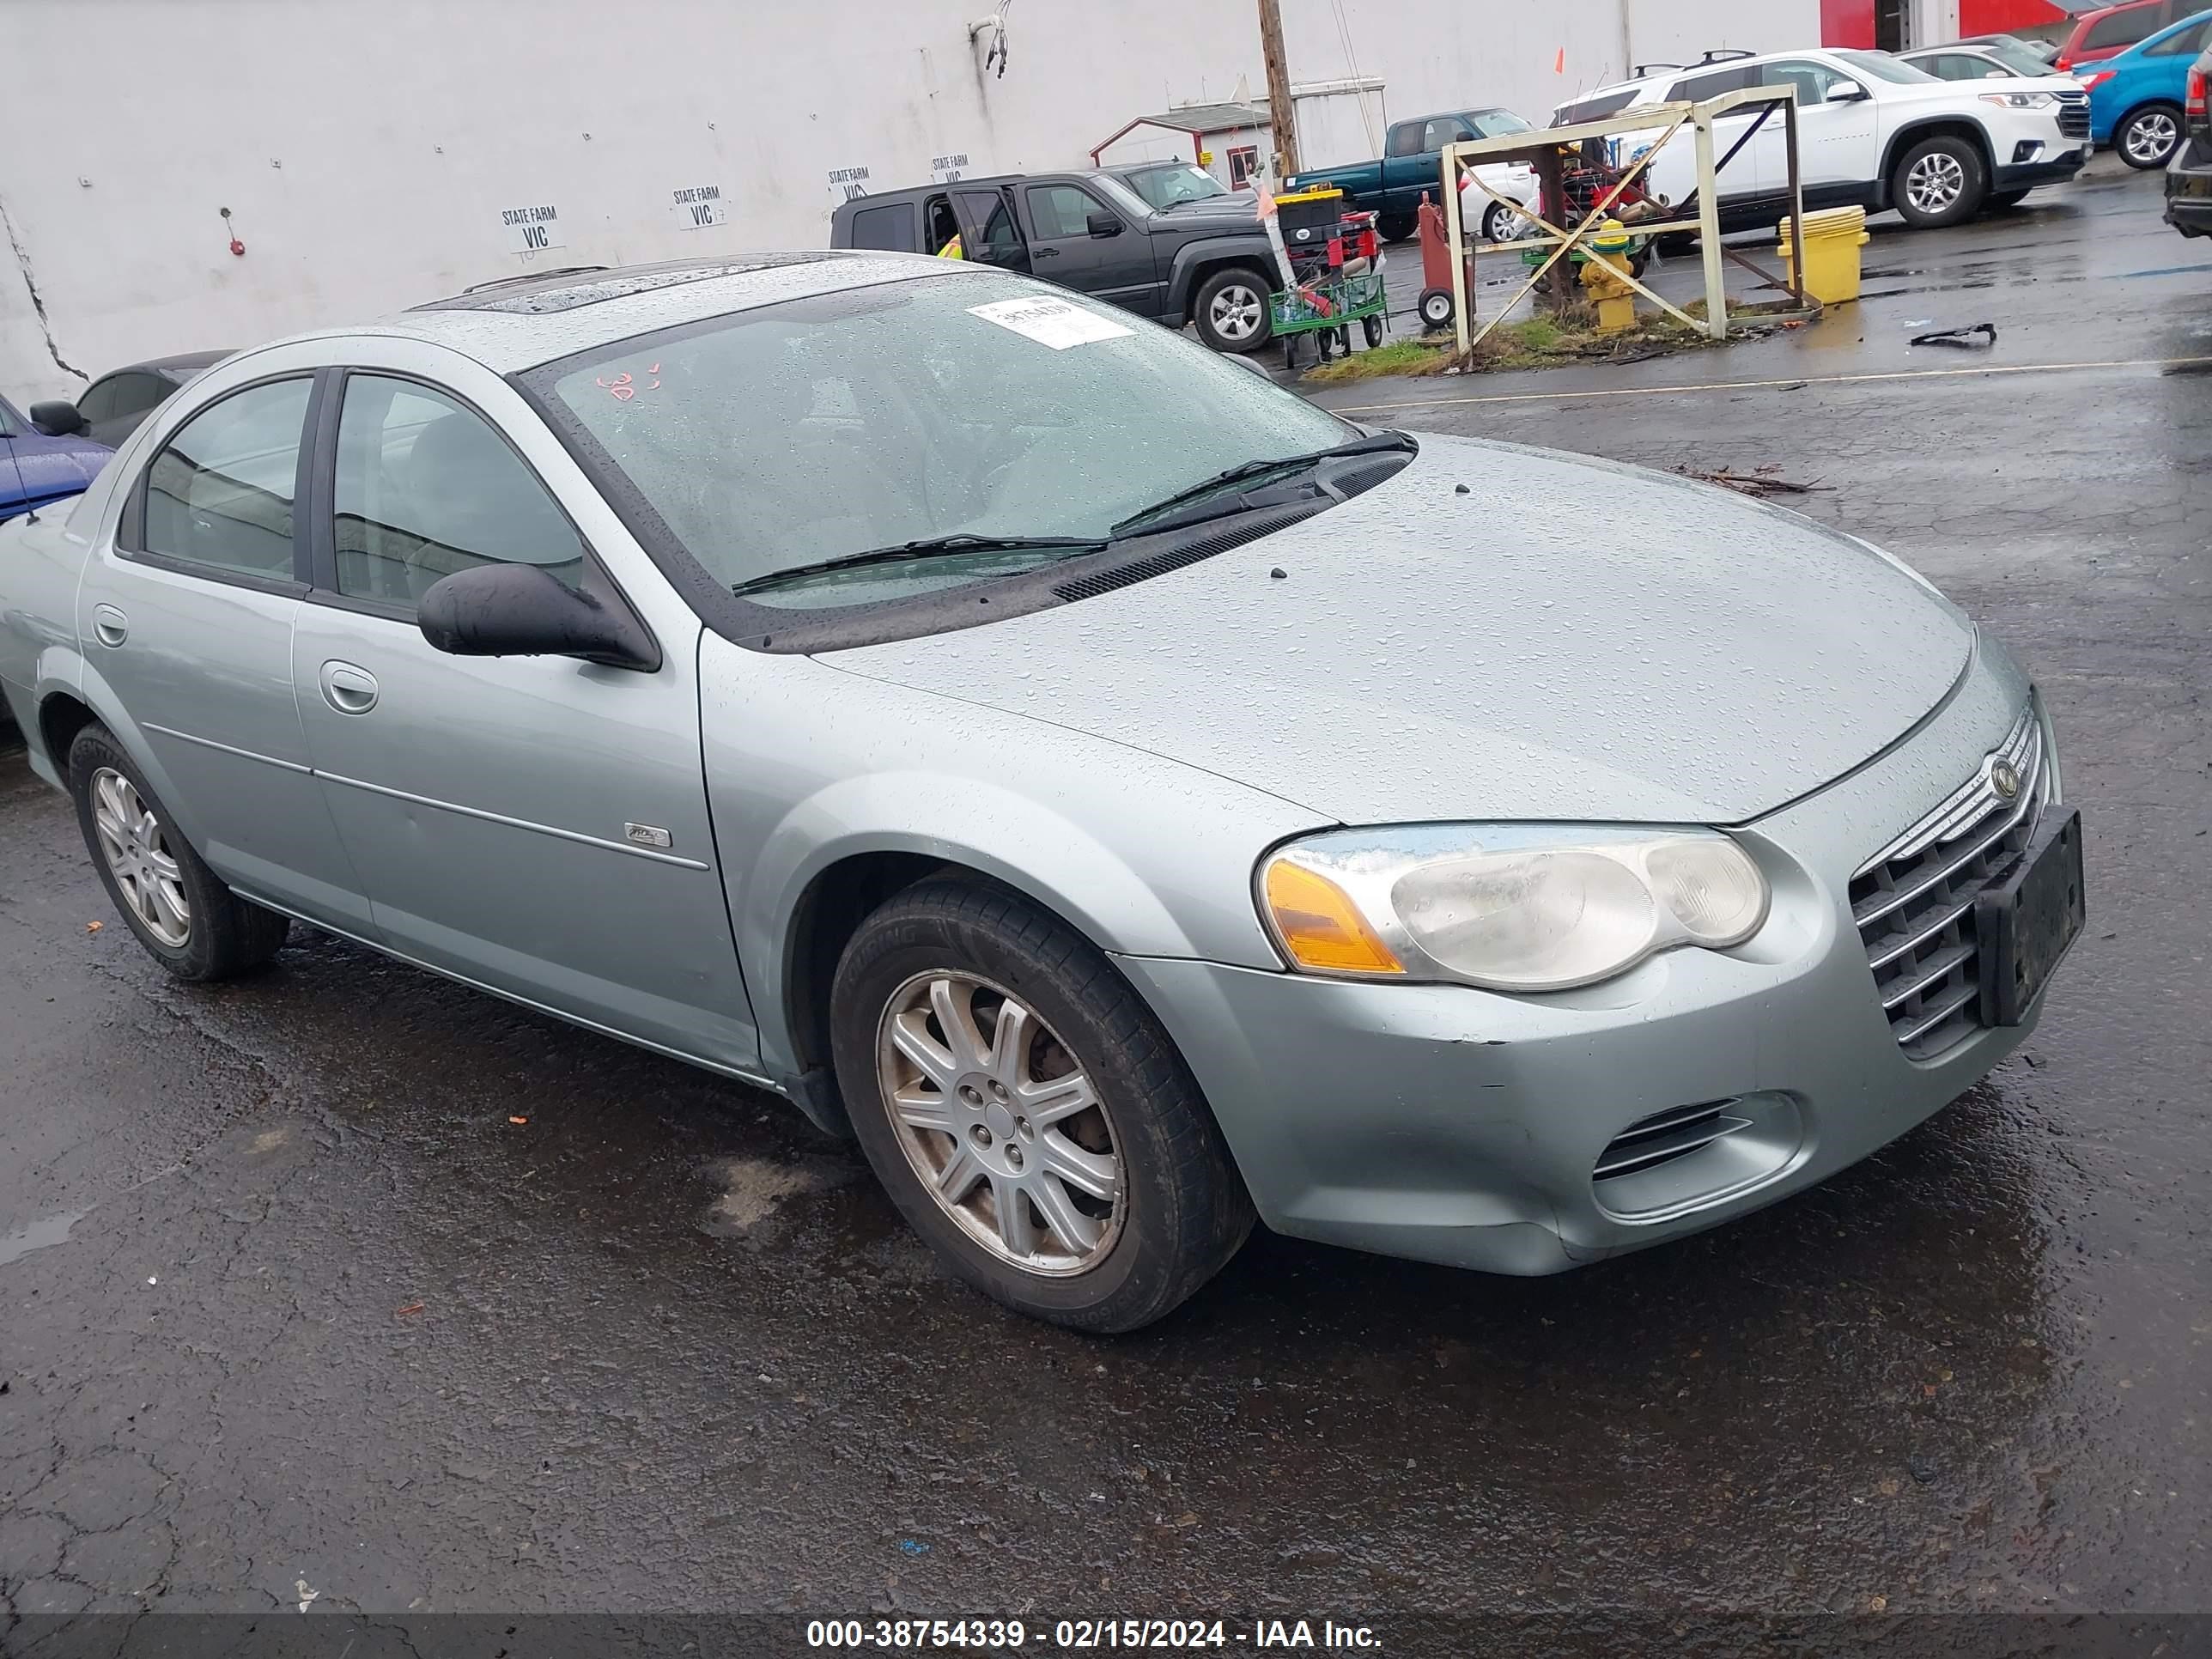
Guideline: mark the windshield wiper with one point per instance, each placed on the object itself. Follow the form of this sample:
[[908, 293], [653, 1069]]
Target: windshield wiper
[[1374, 443], [933, 547]]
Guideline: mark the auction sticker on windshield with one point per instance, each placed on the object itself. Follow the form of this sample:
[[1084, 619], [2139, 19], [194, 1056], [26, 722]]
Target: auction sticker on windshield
[[1050, 322]]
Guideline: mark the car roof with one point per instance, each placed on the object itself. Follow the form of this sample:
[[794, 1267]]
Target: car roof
[[181, 367], [518, 323]]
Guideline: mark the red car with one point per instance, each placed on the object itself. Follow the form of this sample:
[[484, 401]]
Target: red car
[[2110, 30]]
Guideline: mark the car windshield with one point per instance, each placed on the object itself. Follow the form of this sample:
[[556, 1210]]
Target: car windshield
[[1501, 123], [2014, 57], [965, 404], [1883, 67], [1166, 187]]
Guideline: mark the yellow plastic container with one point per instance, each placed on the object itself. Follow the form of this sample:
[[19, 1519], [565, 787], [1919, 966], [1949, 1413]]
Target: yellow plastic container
[[1833, 261]]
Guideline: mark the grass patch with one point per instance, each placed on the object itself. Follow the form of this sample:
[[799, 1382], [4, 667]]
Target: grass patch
[[1539, 342]]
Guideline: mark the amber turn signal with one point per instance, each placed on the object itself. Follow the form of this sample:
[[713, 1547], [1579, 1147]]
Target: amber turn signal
[[1320, 926]]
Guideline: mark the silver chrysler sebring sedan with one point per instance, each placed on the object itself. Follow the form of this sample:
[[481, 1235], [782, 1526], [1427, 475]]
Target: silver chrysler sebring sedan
[[1125, 798]]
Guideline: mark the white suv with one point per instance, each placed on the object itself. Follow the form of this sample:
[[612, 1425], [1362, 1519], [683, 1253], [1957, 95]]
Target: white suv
[[1873, 131]]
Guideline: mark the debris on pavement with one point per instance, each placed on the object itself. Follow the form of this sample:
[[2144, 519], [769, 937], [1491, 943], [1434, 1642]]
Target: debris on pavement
[[411, 1308], [1760, 481], [1964, 338], [94, 926], [518, 1120]]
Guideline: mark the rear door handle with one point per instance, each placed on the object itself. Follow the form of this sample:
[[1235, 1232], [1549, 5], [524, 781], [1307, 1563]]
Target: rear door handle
[[109, 625], [348, 689]]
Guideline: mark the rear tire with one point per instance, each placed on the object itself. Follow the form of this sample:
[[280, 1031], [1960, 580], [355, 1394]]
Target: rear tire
[[1435, 307], [1938, 182], [1230, 310], [2149, 136], [1178, 1211], [1396, 226], [179, 909]]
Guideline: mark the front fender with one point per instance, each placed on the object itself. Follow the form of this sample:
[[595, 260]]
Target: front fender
[[808, 765]]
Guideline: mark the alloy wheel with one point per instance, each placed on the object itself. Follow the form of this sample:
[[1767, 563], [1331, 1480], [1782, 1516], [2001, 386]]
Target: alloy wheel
[[1505, 225], [1001, 1123], [1236, 312], [2151, 138], [136, 845], [1936, 182]]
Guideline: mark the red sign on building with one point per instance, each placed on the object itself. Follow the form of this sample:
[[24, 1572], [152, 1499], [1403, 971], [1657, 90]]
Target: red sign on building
[[1880, 23]]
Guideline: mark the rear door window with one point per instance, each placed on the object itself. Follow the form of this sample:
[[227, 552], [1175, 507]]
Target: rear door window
[[219, 494], [1696, 89], [2186, 42]]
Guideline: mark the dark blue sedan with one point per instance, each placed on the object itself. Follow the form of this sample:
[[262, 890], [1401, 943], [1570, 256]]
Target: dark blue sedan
[[36, 468]]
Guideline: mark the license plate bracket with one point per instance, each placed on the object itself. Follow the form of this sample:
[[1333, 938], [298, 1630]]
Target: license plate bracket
[[2030, 919]]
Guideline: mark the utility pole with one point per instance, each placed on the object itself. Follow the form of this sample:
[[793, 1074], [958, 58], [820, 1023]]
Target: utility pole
[[1282, 114]]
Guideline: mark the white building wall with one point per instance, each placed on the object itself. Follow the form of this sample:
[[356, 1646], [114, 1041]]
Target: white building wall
[[368, 149]]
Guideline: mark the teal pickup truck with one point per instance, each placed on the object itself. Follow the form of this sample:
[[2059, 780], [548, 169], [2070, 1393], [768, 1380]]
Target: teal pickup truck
[[1393, 186]]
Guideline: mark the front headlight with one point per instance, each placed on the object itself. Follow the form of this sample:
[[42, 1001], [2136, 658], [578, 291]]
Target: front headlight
[[2020, 100], [1513, 907]]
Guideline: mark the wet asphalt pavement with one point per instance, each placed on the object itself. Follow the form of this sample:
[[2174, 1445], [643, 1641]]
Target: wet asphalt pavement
[[304, 1307]]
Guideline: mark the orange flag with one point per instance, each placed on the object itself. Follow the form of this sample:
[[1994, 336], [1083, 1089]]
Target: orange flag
[[1560, 64]]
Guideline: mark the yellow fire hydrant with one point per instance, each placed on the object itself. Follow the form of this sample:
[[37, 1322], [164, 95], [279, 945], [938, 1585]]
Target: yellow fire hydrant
[[1601, 278]]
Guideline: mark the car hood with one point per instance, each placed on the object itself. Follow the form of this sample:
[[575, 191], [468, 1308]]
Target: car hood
[[1565, 639], [48, 466], [1224, 213]]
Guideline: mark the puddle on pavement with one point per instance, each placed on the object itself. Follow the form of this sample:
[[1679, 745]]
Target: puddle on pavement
[[38, 1235]]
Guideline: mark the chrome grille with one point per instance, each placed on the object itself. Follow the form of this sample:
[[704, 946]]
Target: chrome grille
[[2074, 114], [1914, 900]]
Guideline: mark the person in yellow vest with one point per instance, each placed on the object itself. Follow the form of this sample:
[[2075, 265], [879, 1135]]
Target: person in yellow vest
[[954, 249]]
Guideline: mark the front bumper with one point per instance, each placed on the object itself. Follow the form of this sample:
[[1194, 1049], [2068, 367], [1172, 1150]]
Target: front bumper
[[1448, 1124], [2047, 169]]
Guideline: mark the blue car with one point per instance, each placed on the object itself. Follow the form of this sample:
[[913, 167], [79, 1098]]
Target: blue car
[[2136, 98], [36, 468]]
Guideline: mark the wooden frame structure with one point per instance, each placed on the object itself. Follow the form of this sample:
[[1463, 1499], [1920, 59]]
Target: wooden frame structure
[[1543, 151]]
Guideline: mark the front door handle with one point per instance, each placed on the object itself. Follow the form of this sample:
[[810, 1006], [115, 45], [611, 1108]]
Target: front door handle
[[349, 689], [1044, 253], [109, 625]]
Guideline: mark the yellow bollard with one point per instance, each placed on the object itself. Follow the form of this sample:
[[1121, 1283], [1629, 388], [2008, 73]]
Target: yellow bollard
[[1614, 298], [1833, 261]]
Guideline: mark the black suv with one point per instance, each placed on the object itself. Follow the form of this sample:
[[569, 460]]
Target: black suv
[[1200, 263]]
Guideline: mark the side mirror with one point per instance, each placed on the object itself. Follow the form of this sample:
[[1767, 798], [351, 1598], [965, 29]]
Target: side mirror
[[1103, 224], [58, 419], [1846, 92], [523, 611]]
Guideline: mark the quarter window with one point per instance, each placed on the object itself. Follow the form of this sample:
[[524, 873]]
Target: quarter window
[[221, 492], [425, 488], [98, 402], [889, 227]]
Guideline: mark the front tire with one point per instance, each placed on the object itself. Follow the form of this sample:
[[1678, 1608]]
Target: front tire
[[1939, 181], [2148, 137], [1232, 310], [1026, 1112], [179, 909]]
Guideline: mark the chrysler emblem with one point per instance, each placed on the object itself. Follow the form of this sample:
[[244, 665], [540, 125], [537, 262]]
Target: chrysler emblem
[[2005, 776]]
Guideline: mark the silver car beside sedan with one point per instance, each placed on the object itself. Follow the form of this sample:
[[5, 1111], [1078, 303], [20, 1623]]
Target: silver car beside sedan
[[1124, 796]]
